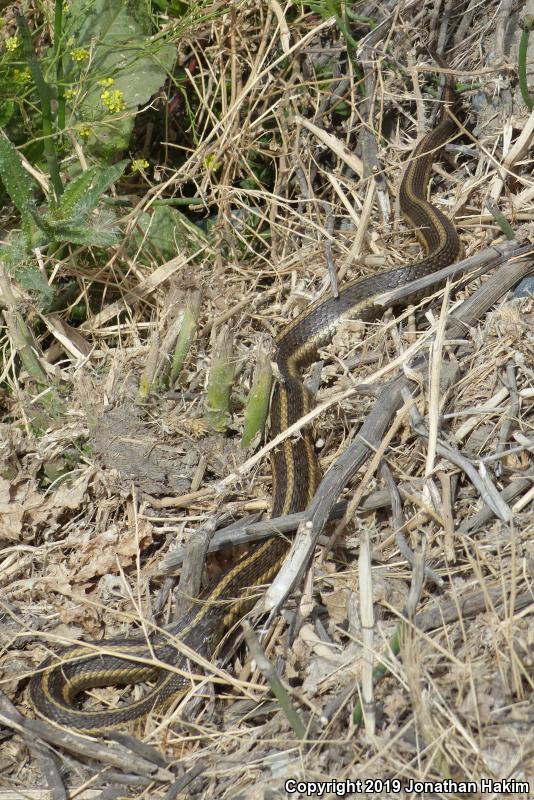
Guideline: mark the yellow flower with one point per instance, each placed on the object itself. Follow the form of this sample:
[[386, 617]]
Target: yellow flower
[[22, 75], [106, 82], [210, 163], [113, 100], [79, 54], [84, 131], [11, 43], [138, 164]]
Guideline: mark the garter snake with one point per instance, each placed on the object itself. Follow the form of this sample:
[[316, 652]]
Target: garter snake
[[56, 685]]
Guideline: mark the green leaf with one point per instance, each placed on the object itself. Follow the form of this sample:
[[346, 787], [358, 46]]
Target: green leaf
[[74, 192], [83, 192], [162, 232], [17, 182], [76, 231], [23, 267], [42, 225], [31, 279], [85, 235], [7, 109], [103, 180], [13, 252]]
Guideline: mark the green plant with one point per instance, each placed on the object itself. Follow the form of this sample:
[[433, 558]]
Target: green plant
[[44, 92], [528, 24], [68, 219], [113, 65], [101, 66], [338, 10]]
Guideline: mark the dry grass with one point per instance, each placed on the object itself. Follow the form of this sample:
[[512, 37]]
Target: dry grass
[[81, 558]]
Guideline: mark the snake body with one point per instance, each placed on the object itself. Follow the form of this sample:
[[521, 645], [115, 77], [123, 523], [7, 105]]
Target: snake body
[[296, 473]]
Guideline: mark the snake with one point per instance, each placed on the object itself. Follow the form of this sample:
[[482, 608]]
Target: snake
[[57, 685]]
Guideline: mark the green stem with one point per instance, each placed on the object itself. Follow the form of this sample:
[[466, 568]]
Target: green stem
[[257, 406], [179, 201], [341, 23], [24, 345], [277, 687], [500, 219], [43, 90], [528, 24], [186, 335], [378, 673], [58, 56], [217, 406]]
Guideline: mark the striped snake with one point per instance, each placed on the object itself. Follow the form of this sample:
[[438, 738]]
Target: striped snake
[[296, 473]]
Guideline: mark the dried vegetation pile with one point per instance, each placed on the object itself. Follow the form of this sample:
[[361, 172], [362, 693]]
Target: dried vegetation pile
[[297, 156]]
